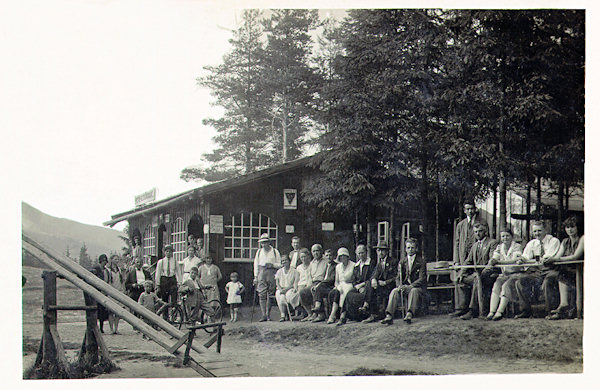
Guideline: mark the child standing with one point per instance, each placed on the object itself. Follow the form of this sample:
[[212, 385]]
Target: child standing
[[234, 290], [149, 299]]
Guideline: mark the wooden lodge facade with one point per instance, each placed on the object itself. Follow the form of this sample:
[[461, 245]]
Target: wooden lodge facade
[[232, 214]]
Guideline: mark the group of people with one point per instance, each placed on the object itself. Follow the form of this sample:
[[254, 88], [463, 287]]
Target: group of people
[[320, 285], [305, 283], [486, 284]]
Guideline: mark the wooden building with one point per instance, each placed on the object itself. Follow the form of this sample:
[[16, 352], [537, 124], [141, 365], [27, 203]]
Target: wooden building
[[232, 214]]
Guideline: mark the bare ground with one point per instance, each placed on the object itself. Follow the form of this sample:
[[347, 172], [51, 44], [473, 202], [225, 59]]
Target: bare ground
[[432, 345]]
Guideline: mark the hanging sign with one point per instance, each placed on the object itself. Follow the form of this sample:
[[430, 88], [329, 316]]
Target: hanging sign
[[327, 226], [216, 224], [145, 198], [290, 199]]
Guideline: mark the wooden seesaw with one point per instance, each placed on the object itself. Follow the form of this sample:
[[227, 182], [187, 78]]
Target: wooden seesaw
[[51, 351]]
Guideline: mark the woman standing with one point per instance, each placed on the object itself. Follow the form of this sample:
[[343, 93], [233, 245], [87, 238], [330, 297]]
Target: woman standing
[[185, 266], [571, 248], [210, 275], [101, 272], [117, 280], [507, 252], [343, 284], [266, 261]]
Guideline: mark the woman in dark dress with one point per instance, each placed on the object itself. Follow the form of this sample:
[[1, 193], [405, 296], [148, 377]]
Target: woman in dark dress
[[100, 271], [571, 248]]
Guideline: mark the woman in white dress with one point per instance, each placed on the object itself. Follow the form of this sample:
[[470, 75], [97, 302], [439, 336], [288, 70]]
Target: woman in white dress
[[185, 266], [343, 282], [287, 289], [507, 252]]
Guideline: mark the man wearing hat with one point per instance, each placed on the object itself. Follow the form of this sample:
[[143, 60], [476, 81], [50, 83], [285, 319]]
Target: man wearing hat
[[381, 284], [165, 277], [266, 263]]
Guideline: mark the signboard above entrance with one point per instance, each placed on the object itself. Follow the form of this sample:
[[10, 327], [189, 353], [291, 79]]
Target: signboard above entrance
[[216, 224], [145, 198]]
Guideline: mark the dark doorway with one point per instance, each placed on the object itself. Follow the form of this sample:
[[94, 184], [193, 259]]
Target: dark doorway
[[196, 226], [160, 240]]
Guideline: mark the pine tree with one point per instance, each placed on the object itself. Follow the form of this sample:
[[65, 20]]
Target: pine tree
[[84, 259], [243, 145], [290, 80]]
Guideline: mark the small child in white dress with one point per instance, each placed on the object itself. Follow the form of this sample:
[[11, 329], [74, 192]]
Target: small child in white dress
[[234, 290]]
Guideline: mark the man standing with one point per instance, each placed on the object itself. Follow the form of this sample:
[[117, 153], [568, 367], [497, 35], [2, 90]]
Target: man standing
[[411, 279], [464, 236], [165, 278], [266, 262], [317, 270], [381, 285], [474, 282], [134, 284], [295, 253], [542, 247]]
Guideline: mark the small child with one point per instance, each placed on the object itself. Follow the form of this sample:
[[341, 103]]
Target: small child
[[149, 299], [234, 290]]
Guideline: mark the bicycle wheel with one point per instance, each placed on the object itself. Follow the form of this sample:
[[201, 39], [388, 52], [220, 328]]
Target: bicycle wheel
[[212, 311], [176, 316]]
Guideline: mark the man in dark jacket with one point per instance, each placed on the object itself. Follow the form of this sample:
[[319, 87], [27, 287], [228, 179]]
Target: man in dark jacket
[[134, 284], [411, 280], [381, 285]]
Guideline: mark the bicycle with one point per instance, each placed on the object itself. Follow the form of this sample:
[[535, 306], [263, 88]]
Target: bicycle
[[208, 312]]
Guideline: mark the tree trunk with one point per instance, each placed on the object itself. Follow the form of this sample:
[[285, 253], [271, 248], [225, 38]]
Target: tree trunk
[[528, 212], [495, 213], [566, 198], [284, 131], [538, 200], [559, 206], [502, 193], [424, 204]]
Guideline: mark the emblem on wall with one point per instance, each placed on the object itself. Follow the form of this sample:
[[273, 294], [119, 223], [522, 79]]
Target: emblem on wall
[[290, 199]]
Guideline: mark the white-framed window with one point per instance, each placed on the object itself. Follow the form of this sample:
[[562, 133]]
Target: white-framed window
[[178, 239], [241, 236], [149, 243]]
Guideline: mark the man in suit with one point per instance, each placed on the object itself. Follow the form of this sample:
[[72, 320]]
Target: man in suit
[[134, 283], [411, 279], [361, 276], [476, 283], [464, 236], [381, 284], [294, 255]]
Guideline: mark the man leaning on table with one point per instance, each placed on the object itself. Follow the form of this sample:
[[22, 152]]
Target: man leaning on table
[[540, 249]]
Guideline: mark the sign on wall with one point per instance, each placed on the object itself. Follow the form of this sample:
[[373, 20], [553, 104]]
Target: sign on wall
[[327, 226], [290, 199], [145, 198], [216, 224], [289, 229]]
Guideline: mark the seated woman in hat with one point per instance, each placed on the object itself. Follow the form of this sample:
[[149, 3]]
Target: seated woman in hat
[[266, 262], [343, 284]]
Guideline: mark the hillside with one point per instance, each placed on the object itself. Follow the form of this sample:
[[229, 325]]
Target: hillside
[[58, 233]]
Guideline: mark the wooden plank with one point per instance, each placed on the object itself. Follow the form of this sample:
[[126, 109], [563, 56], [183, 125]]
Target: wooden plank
[[100, 341], [179, 343], [211, 341], [60, 351], [198, 355], [71, 307]]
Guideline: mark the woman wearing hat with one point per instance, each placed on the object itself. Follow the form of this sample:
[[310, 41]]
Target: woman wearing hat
[[343, 284], [266, 262]]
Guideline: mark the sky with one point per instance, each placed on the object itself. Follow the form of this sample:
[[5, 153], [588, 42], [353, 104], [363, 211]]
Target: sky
[[102, 98]]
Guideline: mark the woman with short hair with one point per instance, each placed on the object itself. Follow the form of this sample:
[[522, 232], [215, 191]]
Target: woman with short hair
[[287, 289], [571, 248], [503, 291]]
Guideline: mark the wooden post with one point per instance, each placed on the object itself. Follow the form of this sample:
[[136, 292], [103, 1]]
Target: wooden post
[[528, 212], [51, 354], [495, 215]]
